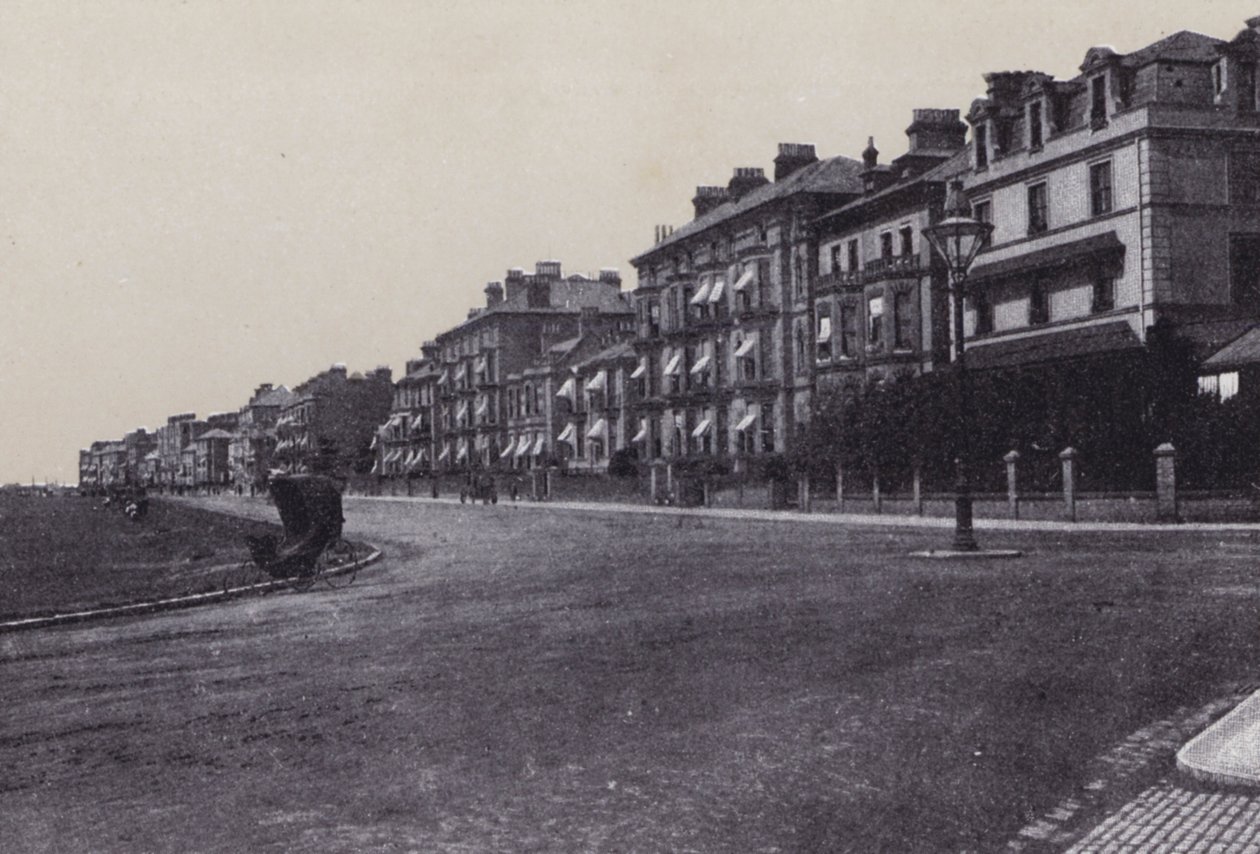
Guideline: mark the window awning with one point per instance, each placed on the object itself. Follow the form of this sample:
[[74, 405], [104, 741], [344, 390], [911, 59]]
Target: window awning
[[480, 365], [462, 453], [641, 370], [460, 373], [417, 421], [462, 411], [566, 435], [701, 364], [641, 436], [409, 459], [511, 446], [569, 389], [598, 430], [482, 406], [744, 279], [445, 455], [376, 467], [443, 378], [538, 446], [747, 421], [672, 368], [522, 447], [598, 382], [701, 429], [1097, 248], [701, 296], [376, 437], [824, 330], [747, 345], [719, 288]]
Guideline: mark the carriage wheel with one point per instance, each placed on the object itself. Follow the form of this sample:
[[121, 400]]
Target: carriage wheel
[[338, 565], [302, 583]]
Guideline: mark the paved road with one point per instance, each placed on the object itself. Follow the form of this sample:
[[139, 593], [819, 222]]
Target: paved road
[[343, 721]]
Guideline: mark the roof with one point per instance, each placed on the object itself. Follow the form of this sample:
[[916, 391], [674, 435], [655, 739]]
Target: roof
[[833, 175], [274, 397], [620, 350], [568, 295], [425, 371], [959, 162], [1183, 46], [1083, 341], [1059, 255], [215, 434], [1243, 350]]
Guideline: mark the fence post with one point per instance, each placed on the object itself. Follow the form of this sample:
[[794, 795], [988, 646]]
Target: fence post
[[652, 484], [918, 489], [839, 488], [669, 480], [1068, 458], [1166, 483], [1012, 483], [547, 484], [806, 500], [875, 494]]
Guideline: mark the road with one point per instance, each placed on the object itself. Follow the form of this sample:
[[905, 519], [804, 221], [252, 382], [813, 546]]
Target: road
[[524, 680]]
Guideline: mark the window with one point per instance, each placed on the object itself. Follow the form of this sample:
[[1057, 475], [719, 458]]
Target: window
[[983, 211], [984, 312], [886, 247], [767, 427], [798, 276], [853, 256], [800, 347], [907, 241], [1218, 79], [654, 318], [903, 321], [1038, 304], [874, 321], [1104, 297], [1100, 188], [1037, 222], [848, 330], [835, 258], [1034, 125], [823, 338], [981, 136], [1244, 177], [1221, 386], [1244, 269], [1098, 102]]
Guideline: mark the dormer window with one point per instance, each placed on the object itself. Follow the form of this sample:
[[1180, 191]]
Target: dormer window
[[1098, 101], [981, 136], [1034, 125]]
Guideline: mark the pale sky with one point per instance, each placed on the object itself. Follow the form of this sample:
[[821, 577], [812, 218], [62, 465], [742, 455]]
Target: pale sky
[[197, 197]]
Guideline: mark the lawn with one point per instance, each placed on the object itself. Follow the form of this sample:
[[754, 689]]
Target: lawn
[[66, 553]]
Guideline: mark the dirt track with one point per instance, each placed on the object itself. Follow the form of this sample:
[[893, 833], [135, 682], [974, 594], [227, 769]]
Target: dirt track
[[518, 681]]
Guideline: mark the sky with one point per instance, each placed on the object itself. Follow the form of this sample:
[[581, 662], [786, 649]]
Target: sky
[[199, 197]]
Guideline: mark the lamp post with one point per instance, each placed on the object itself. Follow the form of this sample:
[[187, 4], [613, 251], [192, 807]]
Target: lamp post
[[957, 238]]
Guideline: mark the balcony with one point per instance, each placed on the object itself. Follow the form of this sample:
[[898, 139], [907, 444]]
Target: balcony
[[750, 243], [897, 267]]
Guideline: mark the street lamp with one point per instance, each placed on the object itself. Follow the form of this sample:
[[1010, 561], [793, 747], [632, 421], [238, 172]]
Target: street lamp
[[957, 239]]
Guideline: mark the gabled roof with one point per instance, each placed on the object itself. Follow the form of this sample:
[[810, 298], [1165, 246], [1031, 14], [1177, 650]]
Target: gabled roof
[[279, 396], [833, 175], [620, 350], [1243, 350], [215, 434]]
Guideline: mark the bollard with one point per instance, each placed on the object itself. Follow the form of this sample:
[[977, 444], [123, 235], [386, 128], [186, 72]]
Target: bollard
[[918, 490], [1068, 459], [1166, 484], [804, 500], [839, 487], [652, 494], [876, 495], [1012, 483]]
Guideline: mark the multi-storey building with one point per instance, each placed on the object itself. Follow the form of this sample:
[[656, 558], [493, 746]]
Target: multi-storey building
[[881, 304], [724, 313], [173, 437], [495, 366], [329, 424], [1122, 198], [254, 439]]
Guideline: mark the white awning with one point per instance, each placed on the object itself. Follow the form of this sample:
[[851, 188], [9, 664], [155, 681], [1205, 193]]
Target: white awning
[[598, 430], [511, 445], [538, 446], [480, 364], [460, 373], [701, 364], [409, 459], [569, 389], [641, 370], [462, 453], [641, 436], [702, 295], [443, 378], [482, 405], [747, 421], [523, 447], [462, 411], [566, 435], [719, 288], [701, 429], [824, 330], [376, 467], [393, 456], [599, 382], [747, 345], [875, 305], [743, 280], [445, 455], [417, 421], [672, 367]]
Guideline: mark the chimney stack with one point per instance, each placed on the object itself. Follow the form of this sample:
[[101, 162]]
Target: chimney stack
[[793, 156], [939, 130], [610, 276], [745, 180], [708, 198], [870, 156], [494, 294]]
